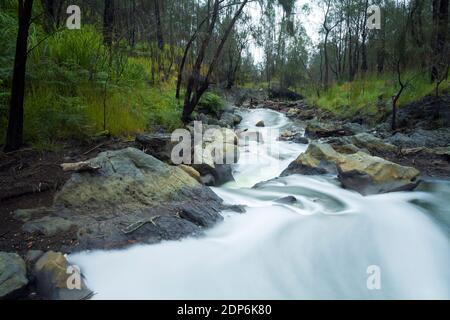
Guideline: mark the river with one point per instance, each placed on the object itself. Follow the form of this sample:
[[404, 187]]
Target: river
[[324, 246]]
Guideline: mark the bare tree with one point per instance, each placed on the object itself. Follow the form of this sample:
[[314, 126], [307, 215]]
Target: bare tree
[[14, 137], [197, 85]]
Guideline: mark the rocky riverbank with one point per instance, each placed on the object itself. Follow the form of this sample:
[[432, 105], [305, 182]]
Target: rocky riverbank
[[422, 139], [130, 192], [120, 197]]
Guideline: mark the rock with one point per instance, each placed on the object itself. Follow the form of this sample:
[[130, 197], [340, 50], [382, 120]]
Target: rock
[[33, 255], [260, 124], [282, 93], [300, 139], [48, 226], [236, 208], [191, 171], [353, 128], [230, 119], [219, 151], [316, 129], [319, 158], [287, 200], [25, 215], [53, 279], [371, 143], [199, 218], [348, 149], [359, 171], [403, 141], [132, 188], [13, 275], [372, 175], [159, 145]]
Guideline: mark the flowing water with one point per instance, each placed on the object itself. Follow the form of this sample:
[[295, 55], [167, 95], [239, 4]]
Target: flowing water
[[320, 247]]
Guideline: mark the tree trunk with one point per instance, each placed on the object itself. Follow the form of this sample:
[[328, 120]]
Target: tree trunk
[[440, 45], [108, 23], [159, 31], [14, 137], [196, 88]]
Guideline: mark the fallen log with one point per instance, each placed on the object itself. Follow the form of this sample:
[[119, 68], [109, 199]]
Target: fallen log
[[83, 166]]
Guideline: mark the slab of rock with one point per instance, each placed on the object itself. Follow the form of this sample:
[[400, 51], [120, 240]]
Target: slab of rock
[[359, 171], [133, 189], [13, 275], [55, 281]]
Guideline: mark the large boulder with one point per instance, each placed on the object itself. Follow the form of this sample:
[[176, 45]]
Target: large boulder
[[358, 171], [56, 281], [13, 275], [372, 175], [134, 197], [219, 152]]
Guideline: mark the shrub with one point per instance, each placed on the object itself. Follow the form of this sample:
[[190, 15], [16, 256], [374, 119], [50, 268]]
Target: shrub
[[211, 103]]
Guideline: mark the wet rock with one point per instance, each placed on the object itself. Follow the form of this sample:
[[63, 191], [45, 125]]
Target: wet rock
[[359, 171], [287, 200], [260, 124], [236, 208], [12, 275], [54, 281]]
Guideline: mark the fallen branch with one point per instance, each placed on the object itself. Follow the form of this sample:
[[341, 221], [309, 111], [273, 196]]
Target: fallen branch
[[94, 148], [137, 225], [83, 166]]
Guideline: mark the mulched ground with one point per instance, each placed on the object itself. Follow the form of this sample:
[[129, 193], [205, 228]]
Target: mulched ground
[[30, 179]]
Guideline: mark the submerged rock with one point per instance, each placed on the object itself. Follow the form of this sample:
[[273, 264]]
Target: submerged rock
[[13, 274], [260, 124], [358, 171]]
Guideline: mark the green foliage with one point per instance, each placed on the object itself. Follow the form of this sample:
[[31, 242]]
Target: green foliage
[[74, 85], [365, 95], [211, 103]]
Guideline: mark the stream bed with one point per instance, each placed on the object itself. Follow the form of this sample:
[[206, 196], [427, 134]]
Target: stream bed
[[318, 247]]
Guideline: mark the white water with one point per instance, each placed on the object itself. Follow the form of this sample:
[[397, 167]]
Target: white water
[[320, 247]]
